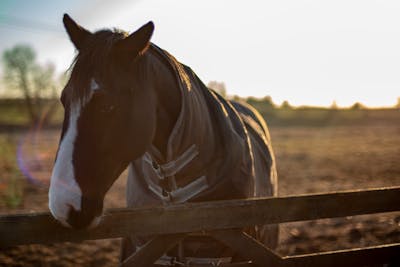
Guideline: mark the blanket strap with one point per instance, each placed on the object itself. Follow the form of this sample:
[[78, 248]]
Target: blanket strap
[[180, 194], [173, 167], [168, 171]]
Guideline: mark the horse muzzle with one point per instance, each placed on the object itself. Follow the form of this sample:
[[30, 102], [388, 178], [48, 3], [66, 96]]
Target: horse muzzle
[[88, 217]]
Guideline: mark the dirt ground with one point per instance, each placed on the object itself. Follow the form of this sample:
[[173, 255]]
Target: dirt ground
[[309, 160]]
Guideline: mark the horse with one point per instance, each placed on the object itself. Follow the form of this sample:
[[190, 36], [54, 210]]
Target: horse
[[130, 104]]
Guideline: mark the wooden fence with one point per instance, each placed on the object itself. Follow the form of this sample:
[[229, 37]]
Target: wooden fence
[[221, 220]]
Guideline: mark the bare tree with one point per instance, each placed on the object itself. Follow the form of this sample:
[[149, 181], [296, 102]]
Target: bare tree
[[34, 82]]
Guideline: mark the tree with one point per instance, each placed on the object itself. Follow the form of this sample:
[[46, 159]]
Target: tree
[[286, 105], [218, 87], [32, 81], [398, 103], [357, 106], [264, 103], [334, 105], [268, 102]]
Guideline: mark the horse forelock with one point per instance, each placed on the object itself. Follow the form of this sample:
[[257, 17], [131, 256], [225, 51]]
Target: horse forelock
[[93, 60]]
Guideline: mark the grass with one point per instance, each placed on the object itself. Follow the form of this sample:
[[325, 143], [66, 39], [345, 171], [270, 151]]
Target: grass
[[318, 117], [11, 186], [13, 195], [331, 158], [13, 112]]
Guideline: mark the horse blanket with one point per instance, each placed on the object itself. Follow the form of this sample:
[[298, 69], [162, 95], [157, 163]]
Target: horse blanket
[[218, 149]]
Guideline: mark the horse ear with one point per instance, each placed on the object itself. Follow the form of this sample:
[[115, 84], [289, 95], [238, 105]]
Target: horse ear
[[76, 33], [137, 42]]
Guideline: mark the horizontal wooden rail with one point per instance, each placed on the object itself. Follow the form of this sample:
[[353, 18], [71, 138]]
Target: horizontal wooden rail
[[263, 256], [197, 217]]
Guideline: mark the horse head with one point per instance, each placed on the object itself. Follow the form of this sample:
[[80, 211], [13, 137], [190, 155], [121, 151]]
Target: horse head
[[109, 120]]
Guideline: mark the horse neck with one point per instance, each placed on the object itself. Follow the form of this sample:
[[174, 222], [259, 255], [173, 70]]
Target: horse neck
[[168, 101]]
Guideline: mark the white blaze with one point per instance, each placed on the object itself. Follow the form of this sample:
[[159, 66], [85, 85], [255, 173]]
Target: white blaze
[[93, 85], [64, 191]]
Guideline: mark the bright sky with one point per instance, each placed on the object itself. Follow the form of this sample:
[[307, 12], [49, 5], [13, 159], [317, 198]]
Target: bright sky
[[306, 52]]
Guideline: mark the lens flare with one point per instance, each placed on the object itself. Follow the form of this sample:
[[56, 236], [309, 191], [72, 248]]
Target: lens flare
[[36, 151]]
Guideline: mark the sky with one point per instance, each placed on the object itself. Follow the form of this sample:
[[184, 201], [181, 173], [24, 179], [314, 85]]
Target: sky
[[307, 52]]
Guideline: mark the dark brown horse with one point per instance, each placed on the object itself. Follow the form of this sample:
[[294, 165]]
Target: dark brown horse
[[130, 103]]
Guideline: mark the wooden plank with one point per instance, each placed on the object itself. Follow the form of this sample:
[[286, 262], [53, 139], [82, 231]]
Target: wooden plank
[[234, 264], [152, 250], [248, 247], [198, 217], [350, 257]]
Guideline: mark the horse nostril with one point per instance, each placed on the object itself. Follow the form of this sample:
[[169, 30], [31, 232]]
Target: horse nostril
[[79, 219], [88, 216]]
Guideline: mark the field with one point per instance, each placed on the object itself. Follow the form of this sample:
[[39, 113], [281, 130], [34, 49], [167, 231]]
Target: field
[[313, 158]]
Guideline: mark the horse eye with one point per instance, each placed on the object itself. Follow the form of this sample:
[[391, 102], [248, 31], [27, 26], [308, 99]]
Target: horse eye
[[107, 108], [101, 102]]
